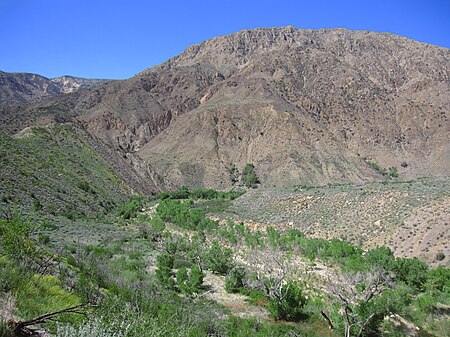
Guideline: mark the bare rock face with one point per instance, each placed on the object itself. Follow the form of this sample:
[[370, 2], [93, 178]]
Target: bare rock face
[[68, 83], [304, 106]]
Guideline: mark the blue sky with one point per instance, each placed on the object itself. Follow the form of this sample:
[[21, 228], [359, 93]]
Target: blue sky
[[119, 38]]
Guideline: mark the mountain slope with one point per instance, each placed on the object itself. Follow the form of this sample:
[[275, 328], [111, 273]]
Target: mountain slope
[[50, 169], [311, 107], [25, 87], [303, 106]]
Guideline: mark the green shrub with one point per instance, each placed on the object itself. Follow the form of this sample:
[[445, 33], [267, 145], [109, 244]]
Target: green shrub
[[157, 228], [439, 279], [218, 259], [44, 238], [183, 280], [182, 193], [190, 282], [412, 272], [37, 206], [440, 256], [201, 193], [393, 172], [249, 177], [245, 327], [12, 275], [184, 215], [289, 305], [378, 168], [153, 230], [196, 278], [234, 281], [85, 186], [164, 274], [131, 208], [339, 249]]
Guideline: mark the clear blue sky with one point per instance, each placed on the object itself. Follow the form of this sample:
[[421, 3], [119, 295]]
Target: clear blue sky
[[119, 38]]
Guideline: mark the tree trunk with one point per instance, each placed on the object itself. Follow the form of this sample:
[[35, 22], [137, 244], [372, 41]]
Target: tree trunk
[[347, 330]]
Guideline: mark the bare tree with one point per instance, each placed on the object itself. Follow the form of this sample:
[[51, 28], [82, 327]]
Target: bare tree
[[353, 290], [271, 268]]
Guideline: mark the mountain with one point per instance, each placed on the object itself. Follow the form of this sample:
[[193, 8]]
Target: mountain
[[303, 106], [25, 87], [68, 83]]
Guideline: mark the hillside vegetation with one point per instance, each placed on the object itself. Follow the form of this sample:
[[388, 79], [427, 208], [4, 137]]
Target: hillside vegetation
[[157, 265], [49, 170]]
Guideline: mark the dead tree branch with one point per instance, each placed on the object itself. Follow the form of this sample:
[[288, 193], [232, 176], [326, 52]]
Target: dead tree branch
[[21, 328]]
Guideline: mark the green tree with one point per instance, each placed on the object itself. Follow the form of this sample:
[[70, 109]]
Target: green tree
[[157, 228], [358, 296], [413, 272], [249, 177], [289, 304], [196, 278], [164, 274], [439, 279], [381, 257], [218, 259]]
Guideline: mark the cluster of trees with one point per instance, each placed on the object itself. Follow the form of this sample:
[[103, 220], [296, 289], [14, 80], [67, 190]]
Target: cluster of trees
[[184, 215], [391, 172], [248, 177], [200, 193]]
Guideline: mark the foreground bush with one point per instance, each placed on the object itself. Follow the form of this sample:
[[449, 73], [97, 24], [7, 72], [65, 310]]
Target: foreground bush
[[218, 258], [289, 304]]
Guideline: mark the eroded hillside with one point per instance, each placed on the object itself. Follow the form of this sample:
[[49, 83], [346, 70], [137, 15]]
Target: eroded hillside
[[303, 106]]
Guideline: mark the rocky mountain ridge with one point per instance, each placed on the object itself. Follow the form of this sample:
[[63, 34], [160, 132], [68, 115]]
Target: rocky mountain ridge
[[27, 87], [304, 106]]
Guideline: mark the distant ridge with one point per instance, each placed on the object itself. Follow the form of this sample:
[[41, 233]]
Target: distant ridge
[[27, 87]]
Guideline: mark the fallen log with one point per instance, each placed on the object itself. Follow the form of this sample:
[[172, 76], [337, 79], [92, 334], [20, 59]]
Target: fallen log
[[22, 328]]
